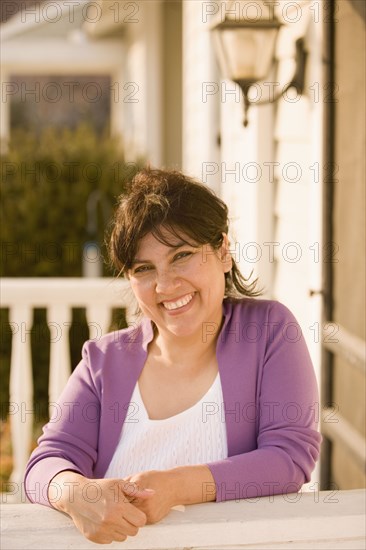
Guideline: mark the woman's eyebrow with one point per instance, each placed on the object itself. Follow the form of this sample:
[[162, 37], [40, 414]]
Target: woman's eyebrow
[[137, 261], [180, 244]]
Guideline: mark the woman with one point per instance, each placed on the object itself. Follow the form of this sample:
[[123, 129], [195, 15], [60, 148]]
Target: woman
[[212, 397]]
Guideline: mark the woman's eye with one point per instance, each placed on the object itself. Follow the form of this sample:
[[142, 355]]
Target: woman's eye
[[182, 255], [142, 269]]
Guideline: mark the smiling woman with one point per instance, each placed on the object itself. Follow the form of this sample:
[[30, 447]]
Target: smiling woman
[[212, 397]]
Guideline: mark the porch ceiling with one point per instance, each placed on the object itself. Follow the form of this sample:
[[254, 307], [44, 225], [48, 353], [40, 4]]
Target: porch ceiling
[[115, 15], [57, 56]]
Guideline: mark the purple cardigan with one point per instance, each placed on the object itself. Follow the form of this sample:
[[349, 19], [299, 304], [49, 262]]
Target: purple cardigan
[[270, 405]]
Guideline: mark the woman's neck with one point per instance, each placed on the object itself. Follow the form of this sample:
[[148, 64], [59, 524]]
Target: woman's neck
[[179, 351]]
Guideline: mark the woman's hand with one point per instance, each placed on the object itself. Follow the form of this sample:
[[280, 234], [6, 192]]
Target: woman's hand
[[180, 485], [164, 498], [100, 508]]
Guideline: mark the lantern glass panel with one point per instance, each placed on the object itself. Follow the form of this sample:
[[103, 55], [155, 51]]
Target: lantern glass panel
[[246, 54]]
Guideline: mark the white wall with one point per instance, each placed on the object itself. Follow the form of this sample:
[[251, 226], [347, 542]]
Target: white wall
[[298, 187], [212, 110], [143, 105], [200, 110]]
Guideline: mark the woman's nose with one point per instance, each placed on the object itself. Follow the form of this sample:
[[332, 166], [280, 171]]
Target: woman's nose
[[166, 282]]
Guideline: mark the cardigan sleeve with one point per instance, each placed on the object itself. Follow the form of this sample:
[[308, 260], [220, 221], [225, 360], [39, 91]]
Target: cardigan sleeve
[[70, 438], [288, 442]]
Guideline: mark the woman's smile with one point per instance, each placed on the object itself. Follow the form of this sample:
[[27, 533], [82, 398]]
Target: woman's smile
[[180, 304]]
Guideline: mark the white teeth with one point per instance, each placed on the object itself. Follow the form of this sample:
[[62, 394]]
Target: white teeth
[[179, 303]]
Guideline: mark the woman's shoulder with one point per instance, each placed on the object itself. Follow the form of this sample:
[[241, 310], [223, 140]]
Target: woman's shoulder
[[257, 309], [131, 340], [259, 321]]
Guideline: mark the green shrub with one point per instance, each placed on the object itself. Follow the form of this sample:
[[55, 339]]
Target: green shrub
[[46, 186]]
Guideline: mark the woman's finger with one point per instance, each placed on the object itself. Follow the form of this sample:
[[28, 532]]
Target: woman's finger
[[119, 536], [133, 515], [127, 528]]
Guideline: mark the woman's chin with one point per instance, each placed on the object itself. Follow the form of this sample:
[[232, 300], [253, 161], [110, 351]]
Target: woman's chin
[[179, 329]]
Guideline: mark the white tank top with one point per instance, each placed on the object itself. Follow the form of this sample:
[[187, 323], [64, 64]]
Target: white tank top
[[194, 436]]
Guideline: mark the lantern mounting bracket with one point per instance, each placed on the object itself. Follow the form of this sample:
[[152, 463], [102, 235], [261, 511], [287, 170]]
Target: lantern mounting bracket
[[297, 81]]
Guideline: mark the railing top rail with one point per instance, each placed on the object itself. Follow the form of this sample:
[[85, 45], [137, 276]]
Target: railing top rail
[[336, 426], [329, 519], [350, 347], [71, 291]]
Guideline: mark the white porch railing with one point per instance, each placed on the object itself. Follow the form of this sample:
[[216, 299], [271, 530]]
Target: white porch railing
[[58, 296]]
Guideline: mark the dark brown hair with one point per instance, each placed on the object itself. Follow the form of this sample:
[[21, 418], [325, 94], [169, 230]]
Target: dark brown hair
[[158, 199]]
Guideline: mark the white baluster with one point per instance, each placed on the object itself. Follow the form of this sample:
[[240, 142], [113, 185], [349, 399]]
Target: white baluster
[[123, 297], [99, 320], [21, 390], [59, 322]]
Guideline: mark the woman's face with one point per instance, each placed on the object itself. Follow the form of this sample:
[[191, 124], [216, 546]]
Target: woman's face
[[180, 287]]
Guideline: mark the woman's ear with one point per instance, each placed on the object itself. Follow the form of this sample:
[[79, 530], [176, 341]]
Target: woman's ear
[[226, 258]]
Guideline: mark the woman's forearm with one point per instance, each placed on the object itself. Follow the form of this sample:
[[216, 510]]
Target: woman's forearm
[[63, 488], [193, 484]]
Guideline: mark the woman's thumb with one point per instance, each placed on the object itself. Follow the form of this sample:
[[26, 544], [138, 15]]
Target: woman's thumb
[[131, 489]]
